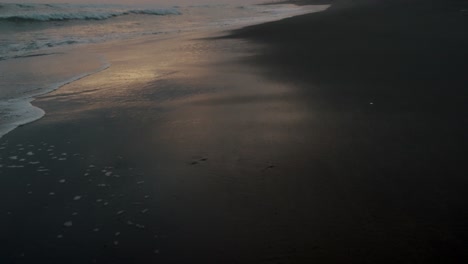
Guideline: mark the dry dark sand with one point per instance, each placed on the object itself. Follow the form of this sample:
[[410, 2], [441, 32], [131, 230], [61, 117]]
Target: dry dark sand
[[337, 137]]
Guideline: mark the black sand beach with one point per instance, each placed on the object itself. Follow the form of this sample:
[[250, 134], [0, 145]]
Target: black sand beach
[[336, 137]]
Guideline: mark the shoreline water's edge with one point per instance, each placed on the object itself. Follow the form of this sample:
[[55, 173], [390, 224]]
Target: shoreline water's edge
[[32, 113], [26, 112], [315, 139]]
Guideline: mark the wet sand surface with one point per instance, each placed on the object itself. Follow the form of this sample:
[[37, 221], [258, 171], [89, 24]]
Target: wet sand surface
[[196, 150]]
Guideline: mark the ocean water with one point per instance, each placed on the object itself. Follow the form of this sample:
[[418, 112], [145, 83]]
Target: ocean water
[[38, 41]]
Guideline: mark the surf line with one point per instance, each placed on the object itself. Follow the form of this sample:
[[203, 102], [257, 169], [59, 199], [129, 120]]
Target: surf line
[[24, 112]]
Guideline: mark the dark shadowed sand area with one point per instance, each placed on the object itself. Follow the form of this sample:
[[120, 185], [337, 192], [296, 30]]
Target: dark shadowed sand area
[[336, 137]]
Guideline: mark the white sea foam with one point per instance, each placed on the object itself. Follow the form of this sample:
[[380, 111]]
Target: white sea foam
[[17, 112]]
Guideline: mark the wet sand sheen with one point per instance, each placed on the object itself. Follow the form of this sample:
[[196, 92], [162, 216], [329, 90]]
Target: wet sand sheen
[[158, 148], [192, 153]]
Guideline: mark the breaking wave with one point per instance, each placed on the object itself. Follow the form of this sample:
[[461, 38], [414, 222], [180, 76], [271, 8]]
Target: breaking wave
[[66, 12]]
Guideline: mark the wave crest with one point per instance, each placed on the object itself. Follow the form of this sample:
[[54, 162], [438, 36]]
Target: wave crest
[[66, 12]]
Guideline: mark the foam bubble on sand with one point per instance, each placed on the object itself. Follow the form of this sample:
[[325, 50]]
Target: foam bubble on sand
[[144, 211], [62, 159], [140, 182], [68, 224], [117, 234], [109, 173], [15, 166], [42, 170], [51, 193], [99, 200], [30, 153], [140, 226], [116, 242], [76, 198], [96, 230], [120, 212], [34, 162], [14, 157], [59, 236], [75, 213], [62, 181]]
